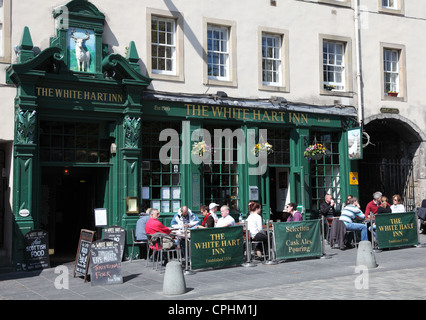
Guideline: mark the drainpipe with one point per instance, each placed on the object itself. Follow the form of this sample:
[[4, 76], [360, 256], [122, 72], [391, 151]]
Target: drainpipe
[[358, 64]]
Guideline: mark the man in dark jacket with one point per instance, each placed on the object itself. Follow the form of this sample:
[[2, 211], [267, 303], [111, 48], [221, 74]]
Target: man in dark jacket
[[327, 210]]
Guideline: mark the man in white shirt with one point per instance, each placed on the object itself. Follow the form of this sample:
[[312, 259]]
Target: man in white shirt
[[213, 209], [226, 219]]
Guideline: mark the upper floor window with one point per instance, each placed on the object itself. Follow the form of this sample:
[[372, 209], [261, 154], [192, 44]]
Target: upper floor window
[[393, 72], [163, 45], [218, 52], [334, 65], [392, 6], [165, 49], [271, 60], [5, 46]]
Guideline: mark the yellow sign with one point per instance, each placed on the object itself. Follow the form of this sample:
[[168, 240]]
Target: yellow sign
[[353, 178]]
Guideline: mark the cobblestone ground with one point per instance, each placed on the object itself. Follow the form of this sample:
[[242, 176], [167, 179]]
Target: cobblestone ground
[[407, 284]]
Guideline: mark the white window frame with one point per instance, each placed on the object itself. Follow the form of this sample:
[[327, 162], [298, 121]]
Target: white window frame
[[229, 55], [176, 58], [334, 58], [271, 60], [281, 59], [397, 70], [164, 45], [391, 70], [385, 6], [5, 37], [218, 51], [346, 82], [390, 4]]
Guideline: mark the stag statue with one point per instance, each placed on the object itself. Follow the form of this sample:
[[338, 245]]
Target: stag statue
[[81, 54]]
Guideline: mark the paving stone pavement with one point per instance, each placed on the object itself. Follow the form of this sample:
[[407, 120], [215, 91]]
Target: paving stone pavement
[[400, 274]]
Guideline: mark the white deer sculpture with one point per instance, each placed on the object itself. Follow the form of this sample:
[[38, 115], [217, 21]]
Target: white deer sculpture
[[81, 54]]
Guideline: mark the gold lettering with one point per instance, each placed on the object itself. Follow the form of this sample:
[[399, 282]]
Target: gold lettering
[[86, 95], [304, 118], [265, 114], [93, 96], [274, 116], [225, 112], [187, 108], [245, 114], [258, 114], [282, 115], [296, 117], [198, 109], [205, 111], [218, 110]]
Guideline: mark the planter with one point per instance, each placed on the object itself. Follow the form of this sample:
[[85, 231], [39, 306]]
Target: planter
[[315, 156], [392, 94]]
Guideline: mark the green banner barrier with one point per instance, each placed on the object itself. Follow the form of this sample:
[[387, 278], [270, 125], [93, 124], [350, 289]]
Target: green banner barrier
[[217, 247], [298, 239], [396, 229]]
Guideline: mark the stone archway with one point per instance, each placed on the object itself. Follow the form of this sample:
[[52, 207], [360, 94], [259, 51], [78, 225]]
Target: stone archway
[[394, 161]]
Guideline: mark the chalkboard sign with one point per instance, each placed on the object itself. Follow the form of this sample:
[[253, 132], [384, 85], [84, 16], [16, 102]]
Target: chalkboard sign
[[115, 233], [105, 262], [83, 252], [37, 250]]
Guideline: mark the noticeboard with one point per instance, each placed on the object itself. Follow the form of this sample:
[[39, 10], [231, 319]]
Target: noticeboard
[[83, 253], [217, 247], [105, 262], [298, 239], [396, 229], [37, 250], [115, 233]]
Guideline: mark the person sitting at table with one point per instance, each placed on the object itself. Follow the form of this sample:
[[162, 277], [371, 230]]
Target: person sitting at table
[[153, 225], [140, 233], [352, 212], [183, 218], [213, 207], [226, 219], [373, 205], [255, 227], [295, 215], [384, 206], [397, 206], [208, 221]]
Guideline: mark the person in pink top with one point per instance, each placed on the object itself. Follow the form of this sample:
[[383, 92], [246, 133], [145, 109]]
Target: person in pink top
[[153, 225]]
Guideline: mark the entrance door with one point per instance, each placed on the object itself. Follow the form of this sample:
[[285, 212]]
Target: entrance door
[[279, 189], [68, 199]]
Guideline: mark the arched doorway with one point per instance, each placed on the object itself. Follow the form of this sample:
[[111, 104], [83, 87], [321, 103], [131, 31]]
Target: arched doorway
[[388, 162]]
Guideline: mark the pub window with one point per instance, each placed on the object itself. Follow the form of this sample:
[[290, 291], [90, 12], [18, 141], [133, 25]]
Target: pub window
[[325, 172], [161, 188], [221, 179], [280, 141], [74, 142]]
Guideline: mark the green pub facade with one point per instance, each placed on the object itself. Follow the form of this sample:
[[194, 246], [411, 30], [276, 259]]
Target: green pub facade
[[90, 134]]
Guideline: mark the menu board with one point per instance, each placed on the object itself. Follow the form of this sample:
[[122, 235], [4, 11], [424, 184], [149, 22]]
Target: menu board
[[105, 262], [115, 233], [83, 252], [37, 250]]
